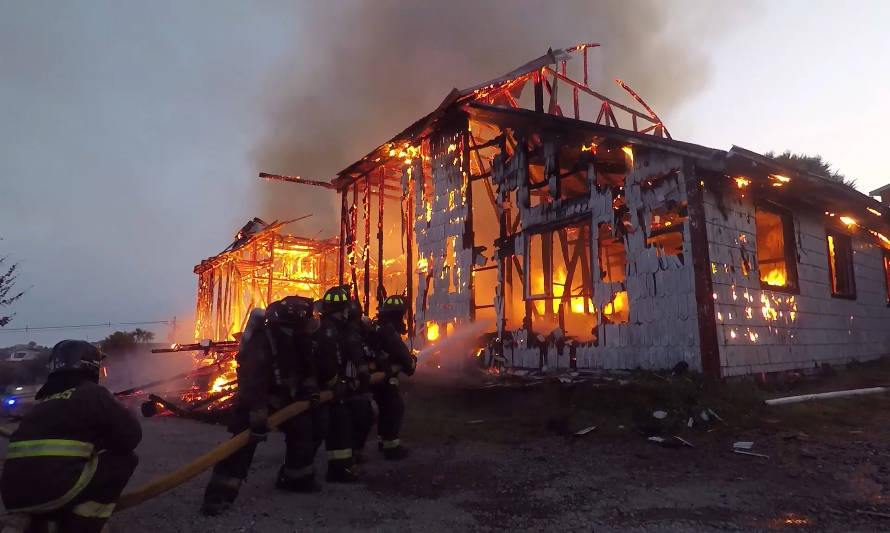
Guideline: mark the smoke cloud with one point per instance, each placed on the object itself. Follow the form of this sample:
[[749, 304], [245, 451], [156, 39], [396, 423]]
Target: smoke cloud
[[373, 68]]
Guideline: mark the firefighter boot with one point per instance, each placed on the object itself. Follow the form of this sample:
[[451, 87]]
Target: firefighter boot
[[220, 494], [395, 453], [341, 472], [302, 480]]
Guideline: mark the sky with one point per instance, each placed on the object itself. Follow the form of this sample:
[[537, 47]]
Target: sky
[[131, 133]]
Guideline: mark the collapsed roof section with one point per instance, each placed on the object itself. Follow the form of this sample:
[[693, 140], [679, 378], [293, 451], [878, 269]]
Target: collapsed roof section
[[498, 101]]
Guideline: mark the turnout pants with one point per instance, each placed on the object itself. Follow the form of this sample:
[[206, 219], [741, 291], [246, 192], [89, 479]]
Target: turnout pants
[[303, 435], [392, 411], [91, 508], [340, 439], [362, 417]]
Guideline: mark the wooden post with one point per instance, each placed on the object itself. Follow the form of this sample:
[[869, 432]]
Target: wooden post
[[539, 93], [701, 268], [366, 251], [407, 213], [380, 288], [353, 229], [469, 238], [271, 269], [341, 259], [585, 66]]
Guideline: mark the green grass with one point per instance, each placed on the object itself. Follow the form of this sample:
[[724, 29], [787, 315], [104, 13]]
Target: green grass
[[509, 415]]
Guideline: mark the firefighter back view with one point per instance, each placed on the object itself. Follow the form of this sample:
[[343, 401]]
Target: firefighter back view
[[72, 454], [276, 366], [339, 353], [390, 328]]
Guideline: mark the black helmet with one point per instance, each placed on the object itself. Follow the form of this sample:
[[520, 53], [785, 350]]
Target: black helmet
[[394, 304], [289, 311], [71, 355], [335, 299]]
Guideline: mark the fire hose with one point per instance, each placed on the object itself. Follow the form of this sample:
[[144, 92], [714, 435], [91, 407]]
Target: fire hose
[[178, 477], [173, 479]]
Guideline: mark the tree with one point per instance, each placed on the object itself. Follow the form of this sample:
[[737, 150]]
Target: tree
[[7, 296], [812, 163], [142, 335], [119, 343], [122, 342]]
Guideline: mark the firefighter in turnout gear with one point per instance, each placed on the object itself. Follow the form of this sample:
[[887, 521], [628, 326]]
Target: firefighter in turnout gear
[[341, 353], [388, 332], [276, 366], [72, 454], [359, 403]]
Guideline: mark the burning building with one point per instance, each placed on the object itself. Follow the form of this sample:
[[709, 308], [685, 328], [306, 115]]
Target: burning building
[[589, 238], [262, 265]]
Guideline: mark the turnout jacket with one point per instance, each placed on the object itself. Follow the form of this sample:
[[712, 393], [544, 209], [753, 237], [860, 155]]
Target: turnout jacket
[[52, 455], [389, 340], [340, 350], [273, 366]]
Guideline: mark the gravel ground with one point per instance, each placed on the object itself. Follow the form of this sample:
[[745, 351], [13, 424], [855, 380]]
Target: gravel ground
[[478, 477]]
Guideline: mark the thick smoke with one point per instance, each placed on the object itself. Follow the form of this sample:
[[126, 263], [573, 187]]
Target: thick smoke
[[369, 69]]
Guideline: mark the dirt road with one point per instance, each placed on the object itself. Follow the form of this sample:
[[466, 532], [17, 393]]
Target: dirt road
[[828, 470]]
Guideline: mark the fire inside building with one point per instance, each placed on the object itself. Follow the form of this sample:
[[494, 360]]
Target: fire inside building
[[586, 237]]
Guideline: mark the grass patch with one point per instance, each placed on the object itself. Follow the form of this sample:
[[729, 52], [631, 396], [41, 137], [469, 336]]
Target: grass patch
[[440, 413]]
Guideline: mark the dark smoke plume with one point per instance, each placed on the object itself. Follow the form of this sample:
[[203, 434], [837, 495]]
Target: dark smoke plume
[[371, 68]]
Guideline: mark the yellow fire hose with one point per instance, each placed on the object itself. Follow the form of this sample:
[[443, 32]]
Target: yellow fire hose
[[206, 461], [178, 477]]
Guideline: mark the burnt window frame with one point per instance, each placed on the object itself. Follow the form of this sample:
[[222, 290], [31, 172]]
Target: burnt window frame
[[841, 235], [792, 285], [548, 296]]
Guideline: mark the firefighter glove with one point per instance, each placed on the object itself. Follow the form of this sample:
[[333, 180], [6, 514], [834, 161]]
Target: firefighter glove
[[314, 401], [411, 366], [258, 420]]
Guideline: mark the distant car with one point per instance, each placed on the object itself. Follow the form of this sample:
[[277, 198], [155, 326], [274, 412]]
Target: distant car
[[17, 400]]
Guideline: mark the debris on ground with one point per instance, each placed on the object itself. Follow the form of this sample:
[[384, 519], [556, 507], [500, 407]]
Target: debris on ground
[[585, 431]]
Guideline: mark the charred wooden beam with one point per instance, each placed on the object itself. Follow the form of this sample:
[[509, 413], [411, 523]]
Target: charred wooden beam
[[297, 179]]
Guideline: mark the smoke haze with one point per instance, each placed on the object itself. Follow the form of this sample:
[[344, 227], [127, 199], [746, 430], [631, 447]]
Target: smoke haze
[[376, 67]]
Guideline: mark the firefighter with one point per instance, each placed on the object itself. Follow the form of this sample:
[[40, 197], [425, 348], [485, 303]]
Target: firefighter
[[339, 350], [276, 366], [363, 356], [388, 331], [72, 454]]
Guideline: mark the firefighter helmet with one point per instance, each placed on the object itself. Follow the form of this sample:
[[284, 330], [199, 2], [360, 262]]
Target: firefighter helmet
[[394, 304], [289, 311], [335, 299], [73, 355]]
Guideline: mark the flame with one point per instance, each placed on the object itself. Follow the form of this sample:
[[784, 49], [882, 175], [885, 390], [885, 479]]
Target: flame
[[589, 148], [422, 264], [881, 237], [630, 153], [873, 211], [228, 375], [769, 312], [741, 182], [848, 221], [617, 308], [451, 148], [779, 178], [432, 331], [775, 278]]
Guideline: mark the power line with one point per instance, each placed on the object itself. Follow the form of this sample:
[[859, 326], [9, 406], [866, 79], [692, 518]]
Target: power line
[[83, 326]]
